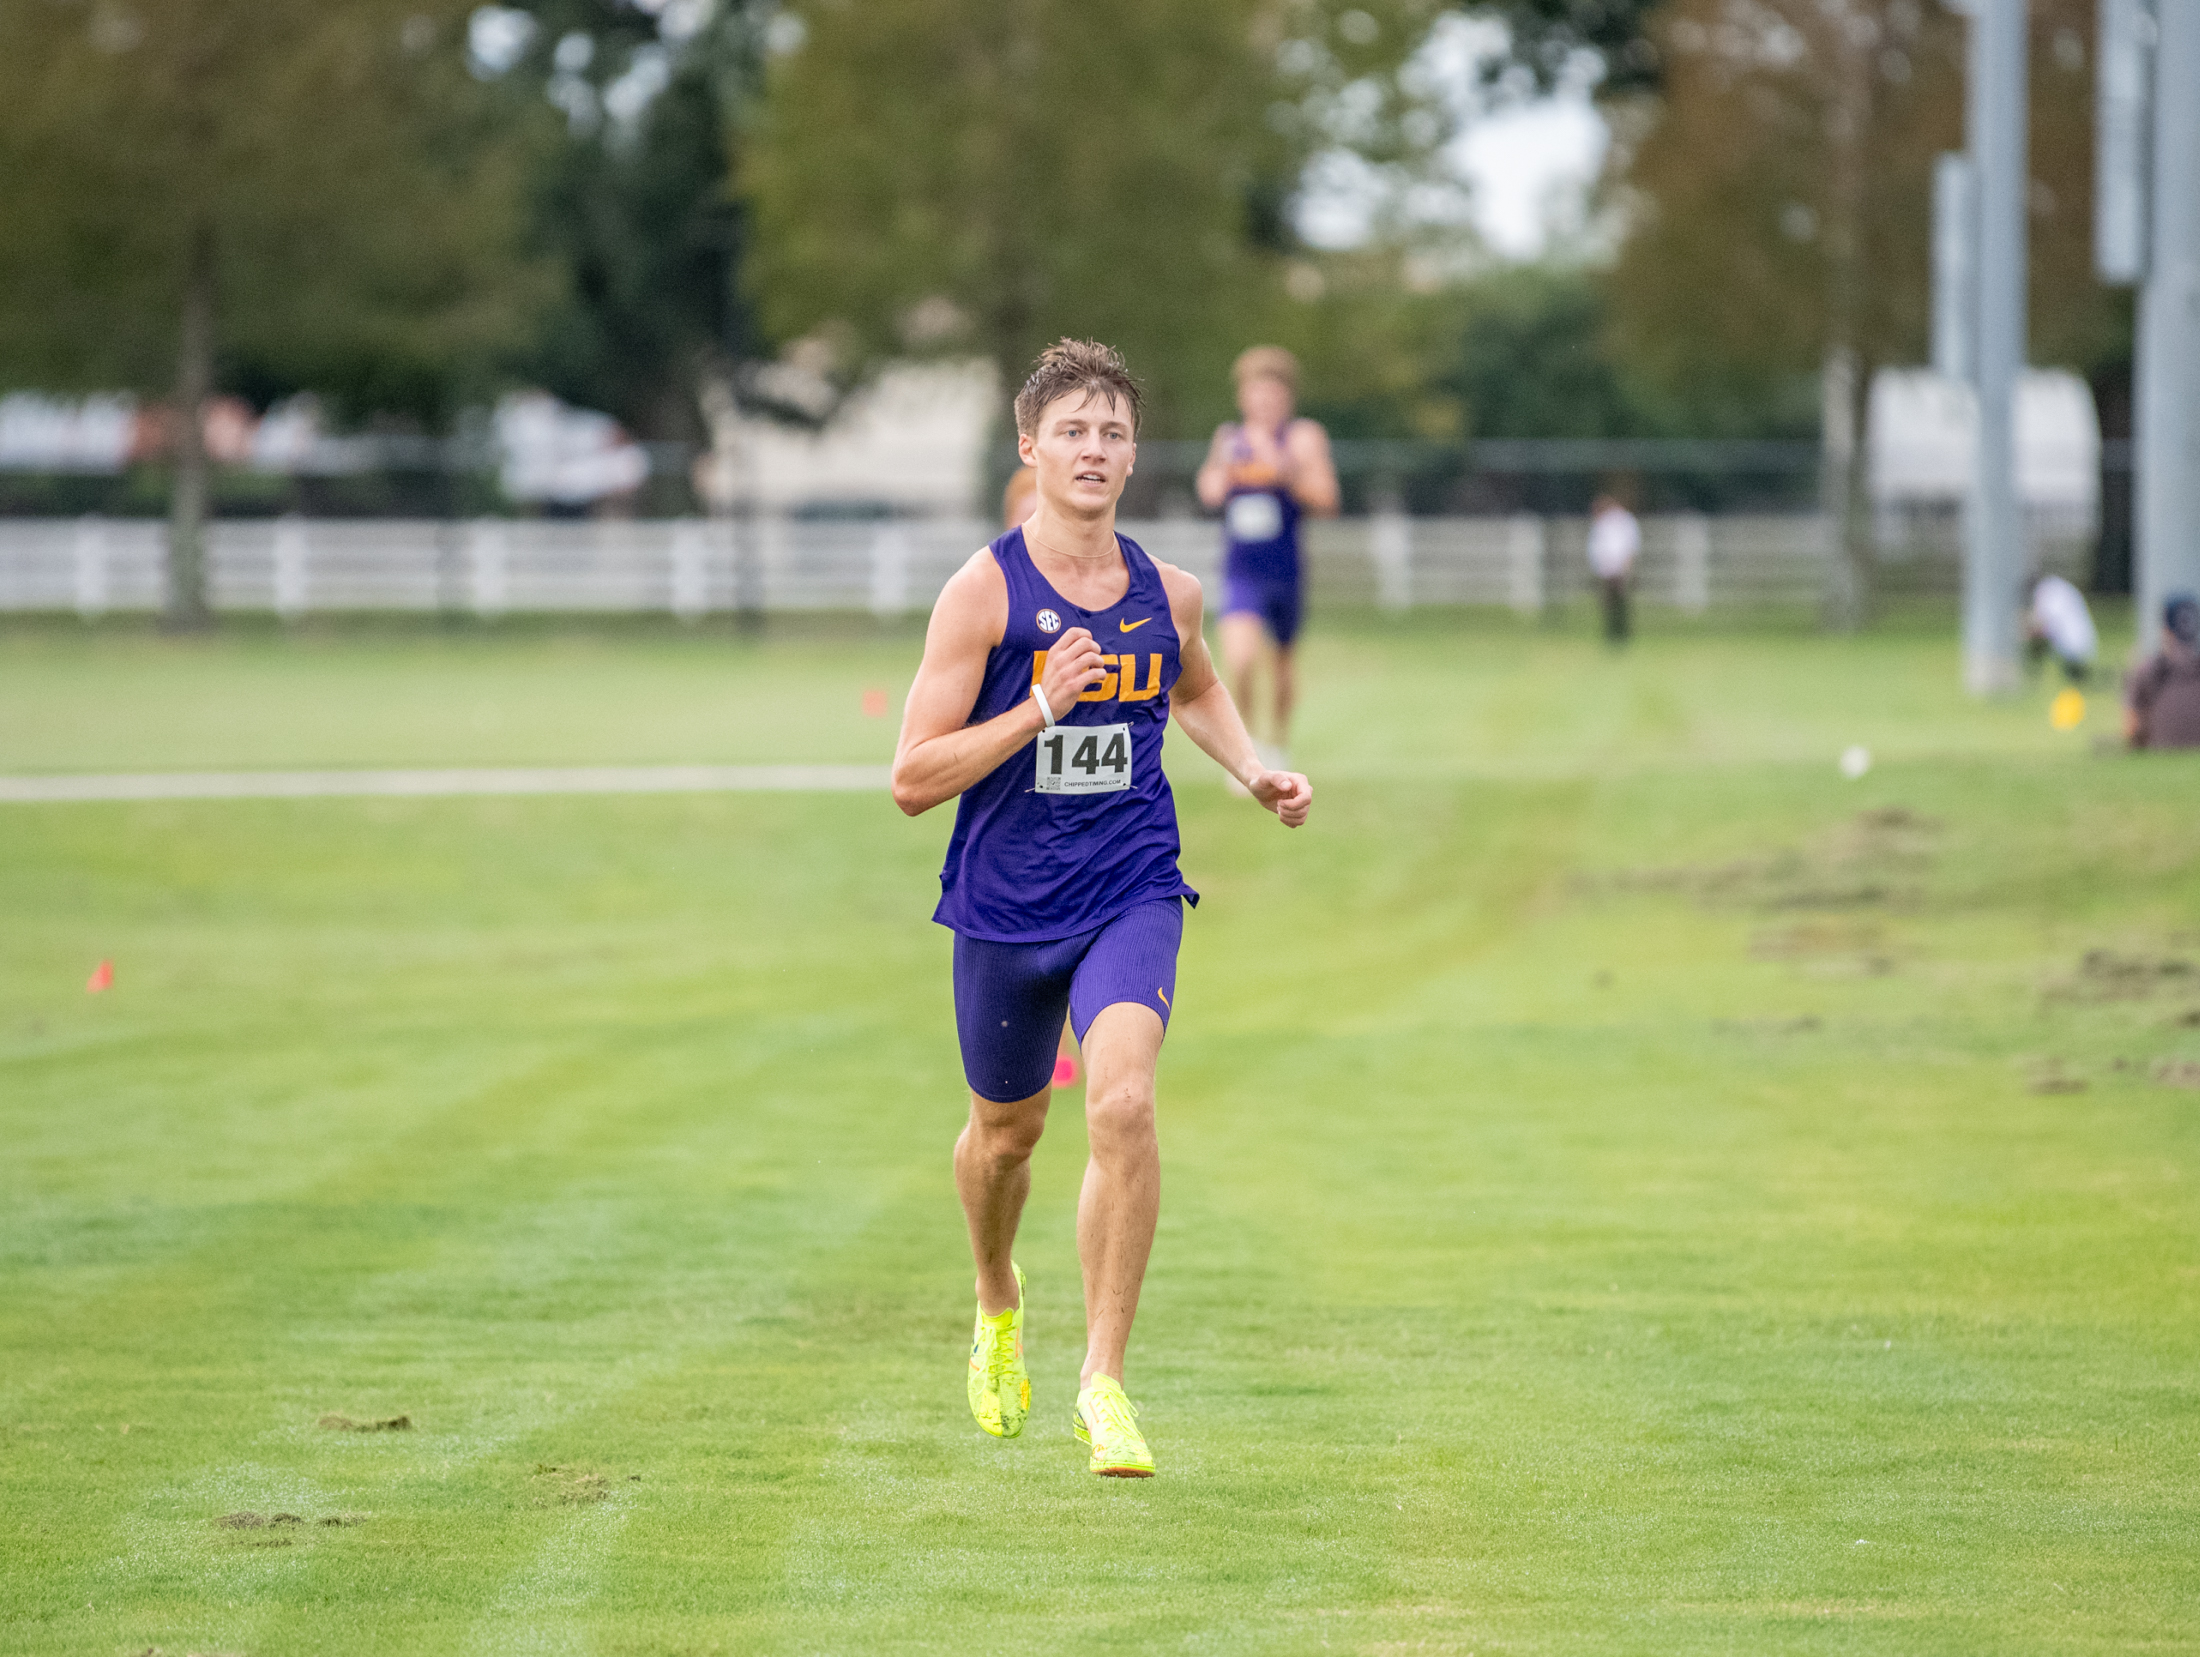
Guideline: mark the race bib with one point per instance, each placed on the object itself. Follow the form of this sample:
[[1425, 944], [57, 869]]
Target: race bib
[[1084, 759], [1255, 517]]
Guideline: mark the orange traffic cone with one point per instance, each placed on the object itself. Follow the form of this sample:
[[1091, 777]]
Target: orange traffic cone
[[103, 977]]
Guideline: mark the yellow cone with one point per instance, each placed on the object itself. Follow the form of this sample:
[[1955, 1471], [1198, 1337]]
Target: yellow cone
[[2067, 711]]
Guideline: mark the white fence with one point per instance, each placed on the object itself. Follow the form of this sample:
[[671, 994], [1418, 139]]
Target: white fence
[[694, 567]]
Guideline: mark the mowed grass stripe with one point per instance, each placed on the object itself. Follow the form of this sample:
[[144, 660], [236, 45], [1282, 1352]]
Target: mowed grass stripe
[[1550, 1162]]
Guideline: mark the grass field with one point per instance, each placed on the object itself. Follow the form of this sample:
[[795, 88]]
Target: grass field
[[1628, 1189]]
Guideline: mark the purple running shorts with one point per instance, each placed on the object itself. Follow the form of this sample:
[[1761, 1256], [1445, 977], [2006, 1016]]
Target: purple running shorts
[[1009, 998], [1276, 602]]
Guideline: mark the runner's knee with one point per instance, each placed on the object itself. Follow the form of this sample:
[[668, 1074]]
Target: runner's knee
[[1004, 1134], [1119, 1114]]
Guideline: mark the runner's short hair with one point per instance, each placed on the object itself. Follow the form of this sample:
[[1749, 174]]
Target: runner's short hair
[[1073, 365], [1271, 360]]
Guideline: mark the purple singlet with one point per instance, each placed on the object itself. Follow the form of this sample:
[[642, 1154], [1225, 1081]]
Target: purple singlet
[[1260, 524], [1026, 866]]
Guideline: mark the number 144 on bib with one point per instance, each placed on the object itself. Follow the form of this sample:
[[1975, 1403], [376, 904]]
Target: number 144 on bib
[[1084, 759]]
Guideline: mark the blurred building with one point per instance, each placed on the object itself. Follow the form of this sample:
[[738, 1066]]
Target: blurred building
[[911, 443], [1919, 443], [555, 455], [53, 434]]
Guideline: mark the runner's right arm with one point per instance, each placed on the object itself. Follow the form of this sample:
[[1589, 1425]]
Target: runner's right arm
[[1313, 473], [941, 753]]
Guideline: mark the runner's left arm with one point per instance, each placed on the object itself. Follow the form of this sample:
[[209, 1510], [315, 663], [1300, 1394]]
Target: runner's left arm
[[1313, 476], [1202, 705]]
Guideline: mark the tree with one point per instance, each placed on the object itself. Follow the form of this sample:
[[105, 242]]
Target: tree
[[1786, 167], [633, 202], [1544, 37], [985, 175], [321, 187]]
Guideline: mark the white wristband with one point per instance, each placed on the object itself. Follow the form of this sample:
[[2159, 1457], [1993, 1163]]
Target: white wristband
[[1039, 696]]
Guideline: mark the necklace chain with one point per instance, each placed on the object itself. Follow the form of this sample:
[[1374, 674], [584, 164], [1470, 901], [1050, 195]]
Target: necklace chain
[[1074, 557]]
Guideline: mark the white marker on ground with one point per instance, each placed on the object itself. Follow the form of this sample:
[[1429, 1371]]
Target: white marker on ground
[[315, 785]]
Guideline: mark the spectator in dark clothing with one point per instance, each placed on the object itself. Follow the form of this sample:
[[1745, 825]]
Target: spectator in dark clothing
[[2162, 694]]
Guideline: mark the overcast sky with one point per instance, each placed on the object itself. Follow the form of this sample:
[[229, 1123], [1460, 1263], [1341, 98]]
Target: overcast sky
[[1526, 167], [1529, 170]]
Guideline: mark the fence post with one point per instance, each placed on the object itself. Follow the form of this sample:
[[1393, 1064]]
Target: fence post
[[89, 555], [485, 558], [1390, 544], [889, 570], [690, 583], [765, 545], [1524, 548], [1692, 563], [290, 567]]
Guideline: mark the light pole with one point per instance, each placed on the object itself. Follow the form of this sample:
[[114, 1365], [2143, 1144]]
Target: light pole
[[2167, 386], [1994, 530], [2146, 230]]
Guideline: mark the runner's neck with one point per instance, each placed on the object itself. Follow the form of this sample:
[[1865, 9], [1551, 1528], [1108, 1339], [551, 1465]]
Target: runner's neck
[[1080, 559]]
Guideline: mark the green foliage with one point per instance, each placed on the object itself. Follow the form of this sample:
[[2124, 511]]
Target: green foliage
[[949, 175], [1547, 35], [360, 197], [1628, 1188], [1516, 351], [1532, 359], [1758, 238], [637, 212]]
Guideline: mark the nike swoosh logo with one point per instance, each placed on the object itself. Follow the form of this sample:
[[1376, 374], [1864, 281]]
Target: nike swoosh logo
[[1132, 626]]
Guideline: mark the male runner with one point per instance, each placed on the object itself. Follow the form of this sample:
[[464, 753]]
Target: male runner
[[1263, 475], [1052, 664], [1018, 501]]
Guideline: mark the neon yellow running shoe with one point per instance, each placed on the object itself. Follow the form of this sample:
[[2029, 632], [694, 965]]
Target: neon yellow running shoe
[[1000, 1388], [1107, 1421]]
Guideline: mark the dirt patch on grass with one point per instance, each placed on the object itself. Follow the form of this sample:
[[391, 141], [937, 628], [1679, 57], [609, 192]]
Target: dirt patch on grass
[[1895, 828], [2178, 1073], [2049, 1076], [562, 1485], [2104, 975], [345, 1424], [1827, 948], [1801, 940], [1874, 860], [283, 1521], [1801, 1026]]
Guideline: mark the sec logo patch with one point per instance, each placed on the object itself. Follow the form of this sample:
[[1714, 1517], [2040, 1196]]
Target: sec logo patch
[[1048, 621]]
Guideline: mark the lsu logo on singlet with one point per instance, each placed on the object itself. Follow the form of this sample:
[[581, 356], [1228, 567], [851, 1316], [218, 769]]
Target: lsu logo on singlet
[[1122, 681]]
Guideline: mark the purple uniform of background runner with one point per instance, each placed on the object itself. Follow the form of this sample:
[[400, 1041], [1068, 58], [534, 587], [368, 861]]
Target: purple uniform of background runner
[[1261, 578]]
